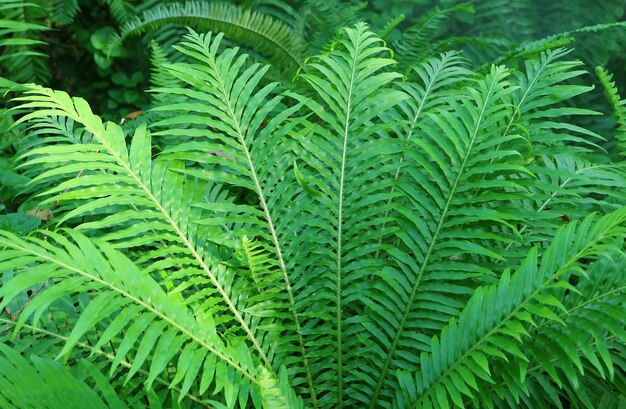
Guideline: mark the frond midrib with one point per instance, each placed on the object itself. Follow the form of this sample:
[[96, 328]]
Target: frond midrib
[[338, 284]]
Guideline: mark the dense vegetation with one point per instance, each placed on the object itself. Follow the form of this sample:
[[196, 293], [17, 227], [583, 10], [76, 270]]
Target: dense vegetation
[[319, 203]]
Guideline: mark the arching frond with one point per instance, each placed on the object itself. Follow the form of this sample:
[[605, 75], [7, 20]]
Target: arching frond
[[244, 145], [461, 136], [267, 36], [458, 360], [573, 347], [145, 312], [122, 186]]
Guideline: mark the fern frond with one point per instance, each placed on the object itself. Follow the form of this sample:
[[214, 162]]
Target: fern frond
[[21, 59], [589, 322], [432, 232], [436, 79], [247, 141], [459, 359], [121, 10], [160, 76], [267, 36], [64, 11], [568, 188], [52, 342], [152, 196], [352, 160], [618, 105], [418, 41], [146, 312], [52, 385]]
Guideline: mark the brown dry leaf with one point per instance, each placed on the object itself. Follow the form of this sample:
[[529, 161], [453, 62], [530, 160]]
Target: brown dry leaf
[[220, 153], [44, 215], [134, 115]]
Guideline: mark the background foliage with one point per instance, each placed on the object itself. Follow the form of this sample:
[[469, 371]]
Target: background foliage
[[424, 211]]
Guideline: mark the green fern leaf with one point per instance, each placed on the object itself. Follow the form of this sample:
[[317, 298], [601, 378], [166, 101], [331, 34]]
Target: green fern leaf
[[52, 385], [267, 36], [459, 358]]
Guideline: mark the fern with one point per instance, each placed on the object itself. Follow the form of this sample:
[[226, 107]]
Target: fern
[[617, 104], [155, 212], [21, 59], [581, 326], [360, 238], [418, 41], [267, 36], [53, 385], [121, 10], [64, 11], [459, 359]]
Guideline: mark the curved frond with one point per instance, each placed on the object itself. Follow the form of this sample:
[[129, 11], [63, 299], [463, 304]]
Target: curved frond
[[244, 145], [152, 195], [267, 36], [134, 177], [458, 360], [146, 314], [587, 325], [432, 232]]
